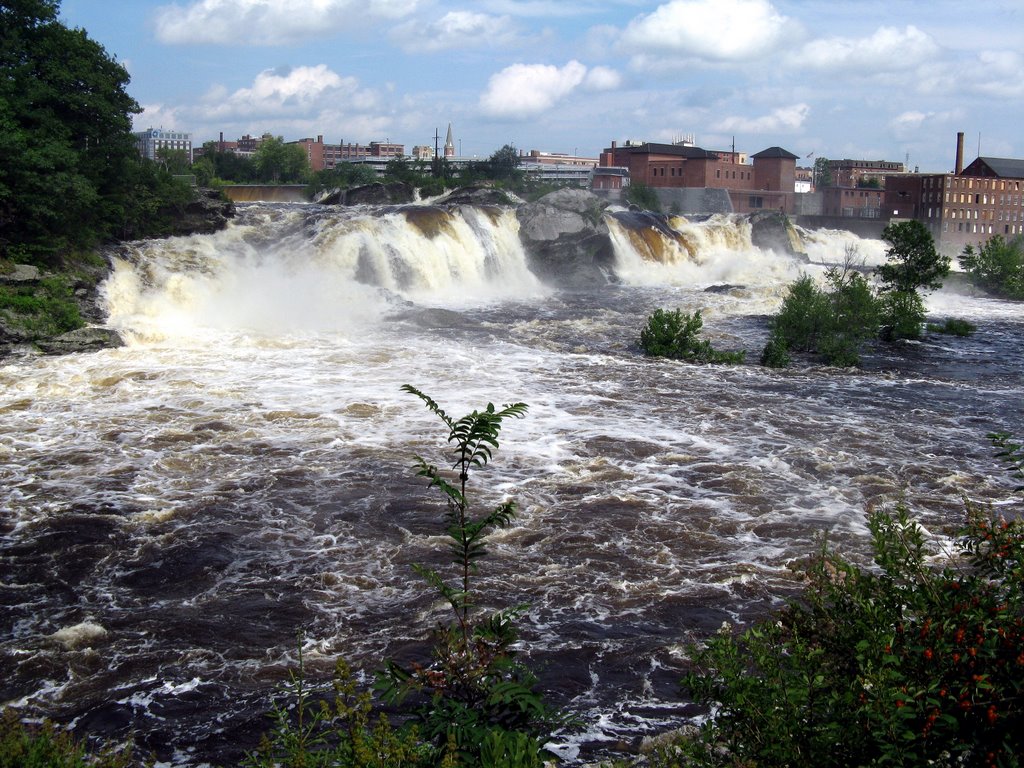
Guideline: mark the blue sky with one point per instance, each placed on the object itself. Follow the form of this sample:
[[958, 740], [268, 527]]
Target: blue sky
[[864, 80]]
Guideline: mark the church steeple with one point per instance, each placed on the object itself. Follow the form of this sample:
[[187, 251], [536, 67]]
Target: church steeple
[[449, 143]]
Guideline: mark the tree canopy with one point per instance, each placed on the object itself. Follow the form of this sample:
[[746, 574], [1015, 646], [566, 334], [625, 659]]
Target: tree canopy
[[913, 263], [65, 133], [279, 162]]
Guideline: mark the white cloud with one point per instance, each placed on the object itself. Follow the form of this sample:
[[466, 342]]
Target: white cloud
[[294, 92], [269, 22], [714, 31], [887, 49], [602, 79], [525, 90], [157, 116], [783, 119], [456, 29], [913, 123]]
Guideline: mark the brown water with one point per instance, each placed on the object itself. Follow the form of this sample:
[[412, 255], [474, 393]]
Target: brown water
[[175, 512]]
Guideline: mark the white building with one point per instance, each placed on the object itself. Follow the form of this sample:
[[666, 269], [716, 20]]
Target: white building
[[151, 140]]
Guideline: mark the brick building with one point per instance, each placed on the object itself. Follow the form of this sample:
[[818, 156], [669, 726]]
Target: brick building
[[326, 156], [862, 173], [965, 207], [767, 183]]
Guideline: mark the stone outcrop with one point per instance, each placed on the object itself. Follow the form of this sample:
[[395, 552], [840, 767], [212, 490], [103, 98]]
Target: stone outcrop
[[774, 231], [480, 194], [207, 214], [566, 239], [88, 339], [394, 193]]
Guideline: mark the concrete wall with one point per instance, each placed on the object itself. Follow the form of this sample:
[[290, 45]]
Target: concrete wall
[[867, 228], [265, 193], [694, 200]]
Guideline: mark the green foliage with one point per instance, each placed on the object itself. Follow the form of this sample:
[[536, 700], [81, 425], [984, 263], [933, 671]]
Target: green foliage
[[342, 176], [23, 746], [313, 733], [901, 664], [281, 163], [40, 311], [834, 323], [903, 315], [677, 335], [474, 698], [912, 262], [775, 353], [953, 326], [997, 266], [643, 196], [822, 173], [65, 133], [229, 166], [503, 164]]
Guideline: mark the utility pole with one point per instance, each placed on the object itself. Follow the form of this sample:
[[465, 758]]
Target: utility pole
[[436, 165]]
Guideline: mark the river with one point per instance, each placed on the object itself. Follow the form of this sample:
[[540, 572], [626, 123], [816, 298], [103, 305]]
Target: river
[[179, 514]]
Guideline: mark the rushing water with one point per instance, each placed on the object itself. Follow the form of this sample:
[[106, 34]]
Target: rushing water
[[176, 511]]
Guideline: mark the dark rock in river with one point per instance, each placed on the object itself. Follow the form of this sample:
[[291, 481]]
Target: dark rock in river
[[566, 239], [207, 214], [479, 194], [89, 339], [774, 231], [394, 193]]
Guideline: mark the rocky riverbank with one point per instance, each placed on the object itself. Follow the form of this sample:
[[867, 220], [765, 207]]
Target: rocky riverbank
[[57, 310]]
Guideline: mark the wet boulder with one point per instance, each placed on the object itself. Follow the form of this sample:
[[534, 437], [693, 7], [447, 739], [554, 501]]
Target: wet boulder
[[774, 231], [88, 339], [566, 239], [378, 193]]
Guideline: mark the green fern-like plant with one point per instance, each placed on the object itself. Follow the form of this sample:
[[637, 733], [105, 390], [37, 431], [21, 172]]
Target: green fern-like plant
[[474, 699]]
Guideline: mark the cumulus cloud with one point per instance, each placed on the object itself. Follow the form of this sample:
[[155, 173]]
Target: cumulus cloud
[[888, 48], [289, 92], [268, 22], [783, 119], [525, 90], [456, 29], [912, 123], [602, 79], [716, 31]]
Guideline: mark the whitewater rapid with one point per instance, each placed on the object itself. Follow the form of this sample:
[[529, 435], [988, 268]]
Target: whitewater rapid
[[178, 510]]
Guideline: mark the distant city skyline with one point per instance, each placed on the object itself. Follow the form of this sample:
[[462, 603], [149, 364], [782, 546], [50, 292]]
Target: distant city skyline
[[872, 80]]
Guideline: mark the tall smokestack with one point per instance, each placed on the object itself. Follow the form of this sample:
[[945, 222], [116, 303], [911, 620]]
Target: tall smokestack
[[959, 152]]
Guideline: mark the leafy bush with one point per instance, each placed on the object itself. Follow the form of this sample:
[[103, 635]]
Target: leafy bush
[[997, 266], [775, 353], [903, 664], [903, 315], [310, 733], [43, 746], [833, 323], [643, 196], [474, 700], [954, 326], [676, 335]]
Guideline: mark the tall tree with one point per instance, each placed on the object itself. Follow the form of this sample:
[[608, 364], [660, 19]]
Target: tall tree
[[822, 173], [65, 133], [279, 162], [504, 163]]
